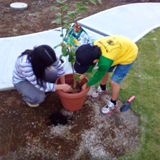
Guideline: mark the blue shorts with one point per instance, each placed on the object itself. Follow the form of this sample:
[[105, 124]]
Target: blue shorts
[[120, 72]]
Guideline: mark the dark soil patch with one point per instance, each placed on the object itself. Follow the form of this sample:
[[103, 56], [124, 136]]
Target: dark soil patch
[[57, 118], [86, 134]]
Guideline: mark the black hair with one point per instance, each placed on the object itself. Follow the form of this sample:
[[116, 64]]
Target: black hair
[[40, 57]]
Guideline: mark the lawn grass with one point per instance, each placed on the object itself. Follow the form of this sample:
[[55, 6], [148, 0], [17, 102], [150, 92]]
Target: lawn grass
[[143, 81]]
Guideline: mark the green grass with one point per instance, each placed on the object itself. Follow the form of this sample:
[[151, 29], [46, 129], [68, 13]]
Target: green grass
[[143, 81]]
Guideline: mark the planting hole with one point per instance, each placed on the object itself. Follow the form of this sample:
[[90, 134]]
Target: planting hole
[[57, 118]]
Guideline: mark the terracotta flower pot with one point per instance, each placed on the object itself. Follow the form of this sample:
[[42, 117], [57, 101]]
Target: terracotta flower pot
[[72, 101]]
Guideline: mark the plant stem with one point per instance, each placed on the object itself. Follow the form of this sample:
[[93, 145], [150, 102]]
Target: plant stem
[[74, 79]]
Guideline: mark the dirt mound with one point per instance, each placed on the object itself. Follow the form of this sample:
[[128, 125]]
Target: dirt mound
[[90, 134]]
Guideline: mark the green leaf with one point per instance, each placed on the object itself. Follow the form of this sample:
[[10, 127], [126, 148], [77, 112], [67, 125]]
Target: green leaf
[[61, 56], [79, 14], [71, 58], [72, 55], [73, 52], [76, 19], [69, 44], [99, 1], [61, 1], [66, 21], [66, 16], [58, 15], [93, 1], [57, 21], [77, 77], [57, 46], [54, 8], [65, 51], [71, 13], [63, 44], [78, 4], [53, 21], [64, 26], [84, 3], [59, 30], [64, 8], [77, 9], [83, 9], [67, 30]]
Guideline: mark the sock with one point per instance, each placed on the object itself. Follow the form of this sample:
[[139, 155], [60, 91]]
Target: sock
[[103, 87], [114, 102]]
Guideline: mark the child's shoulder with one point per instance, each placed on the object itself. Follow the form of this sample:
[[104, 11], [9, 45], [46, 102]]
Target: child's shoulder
[[23, 60]]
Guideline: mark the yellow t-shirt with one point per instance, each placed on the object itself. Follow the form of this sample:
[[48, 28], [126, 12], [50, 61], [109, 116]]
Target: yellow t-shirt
[[118, 48]]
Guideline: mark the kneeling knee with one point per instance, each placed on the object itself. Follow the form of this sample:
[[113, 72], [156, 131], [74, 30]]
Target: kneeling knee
[[40, 98]]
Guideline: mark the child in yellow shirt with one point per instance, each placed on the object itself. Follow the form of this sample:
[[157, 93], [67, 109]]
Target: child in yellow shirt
[[113, 52]]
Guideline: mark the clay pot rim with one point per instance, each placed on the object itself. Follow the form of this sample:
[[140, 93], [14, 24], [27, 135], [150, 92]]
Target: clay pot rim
[[72, 95]]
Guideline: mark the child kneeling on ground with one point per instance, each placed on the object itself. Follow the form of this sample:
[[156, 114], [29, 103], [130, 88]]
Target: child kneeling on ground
[[35, 73]]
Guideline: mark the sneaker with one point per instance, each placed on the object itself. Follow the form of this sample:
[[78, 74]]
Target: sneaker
[[32, 105], [109, 108], [98, 92]]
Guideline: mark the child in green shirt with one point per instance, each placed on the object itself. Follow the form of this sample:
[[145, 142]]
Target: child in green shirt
[[113, 52]]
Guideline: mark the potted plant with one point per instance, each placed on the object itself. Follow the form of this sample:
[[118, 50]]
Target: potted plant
[[66, 18]]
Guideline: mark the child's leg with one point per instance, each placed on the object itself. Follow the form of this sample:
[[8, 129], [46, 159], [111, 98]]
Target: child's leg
[[102, 88], [115, 90], [118, 75], [105, 78], [30, 93]]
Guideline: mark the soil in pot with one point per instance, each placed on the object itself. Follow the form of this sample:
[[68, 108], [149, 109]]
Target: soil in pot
[[76, 89]]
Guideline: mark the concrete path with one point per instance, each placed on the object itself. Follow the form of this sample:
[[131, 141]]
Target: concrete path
[[132, 21], [12, 47]]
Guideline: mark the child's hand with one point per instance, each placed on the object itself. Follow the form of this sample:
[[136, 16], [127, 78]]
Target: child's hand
[[66, 88], [84, 87], [82, 76]]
